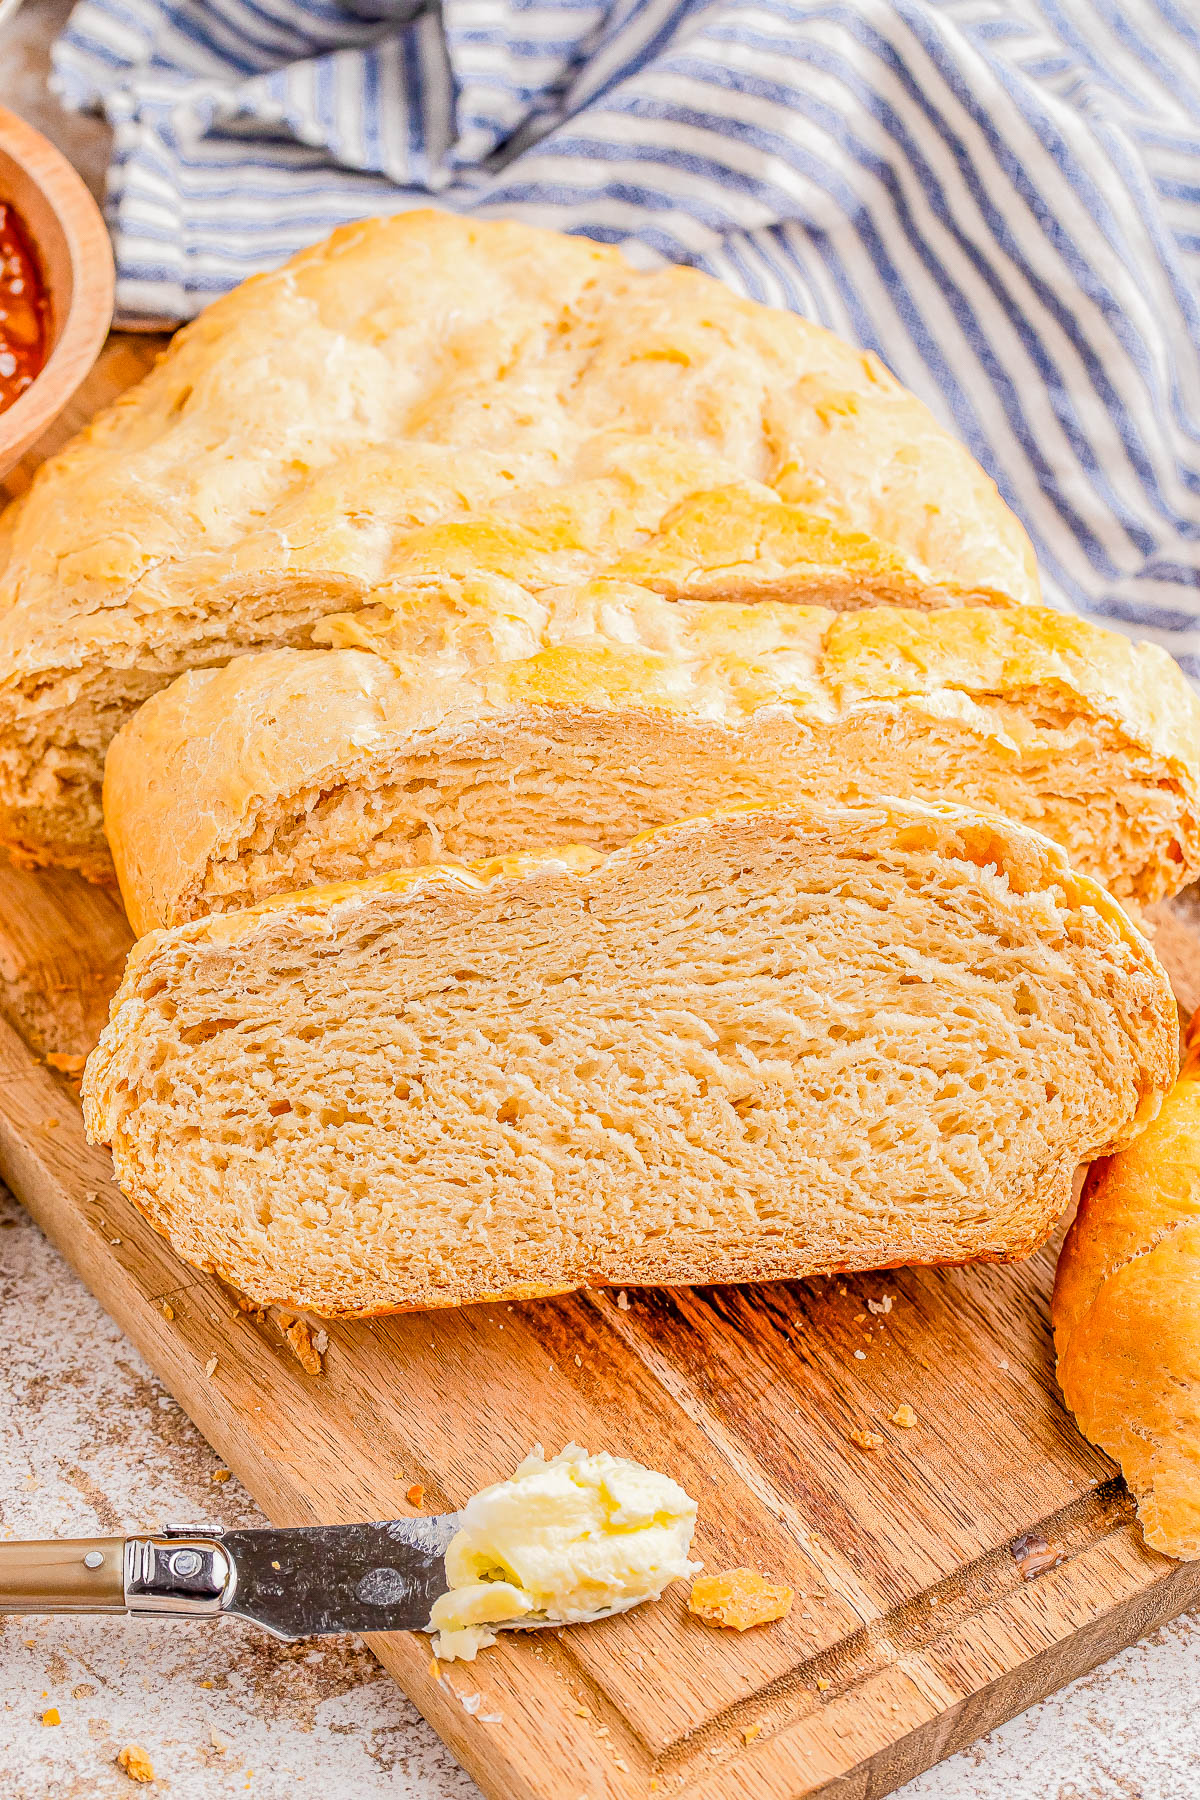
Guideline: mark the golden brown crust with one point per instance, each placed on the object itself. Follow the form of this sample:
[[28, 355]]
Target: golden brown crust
[[1126, 1314], [1045, 707], [744, 544], [271, 469]]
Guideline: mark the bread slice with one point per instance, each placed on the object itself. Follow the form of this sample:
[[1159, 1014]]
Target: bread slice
[[756, 1045], [1127, 1315], [427, 367], [509, 723]]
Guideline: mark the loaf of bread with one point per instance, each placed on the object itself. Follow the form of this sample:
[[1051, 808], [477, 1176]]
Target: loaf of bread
[[428, 367], [1127, 1314], [756, 1045], [519, 721]]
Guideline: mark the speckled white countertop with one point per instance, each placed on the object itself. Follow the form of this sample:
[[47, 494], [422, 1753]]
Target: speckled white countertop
[[91, 1444]]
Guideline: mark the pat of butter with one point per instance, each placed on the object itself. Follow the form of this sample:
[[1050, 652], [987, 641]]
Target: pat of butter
[[565, 1541]]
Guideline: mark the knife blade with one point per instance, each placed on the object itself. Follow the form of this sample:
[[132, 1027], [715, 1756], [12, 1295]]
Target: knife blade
[[301, 1581], [327, 1578]]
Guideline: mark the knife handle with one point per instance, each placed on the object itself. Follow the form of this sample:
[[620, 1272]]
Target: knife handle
[[181, 1574], [63, 1575]]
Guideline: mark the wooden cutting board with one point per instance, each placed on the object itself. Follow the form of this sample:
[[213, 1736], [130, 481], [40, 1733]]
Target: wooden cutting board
[[945, 1578]]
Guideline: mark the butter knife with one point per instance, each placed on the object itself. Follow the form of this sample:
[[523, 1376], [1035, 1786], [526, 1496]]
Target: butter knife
[[300, 1582]]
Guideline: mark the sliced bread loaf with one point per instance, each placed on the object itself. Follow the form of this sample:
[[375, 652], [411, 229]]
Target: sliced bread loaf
[[608, 710], [422, 367], [757, 1045]]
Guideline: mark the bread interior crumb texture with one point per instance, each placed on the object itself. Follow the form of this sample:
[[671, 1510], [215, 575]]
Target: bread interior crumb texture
[[759, 1045]]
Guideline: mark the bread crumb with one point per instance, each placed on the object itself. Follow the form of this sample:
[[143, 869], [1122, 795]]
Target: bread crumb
[[435, 1669], [302, 1341], [136, 1763], [738, 1599], [51, 1716], [822, 1684], [750, 1732], [221, 1474], [623, 1301], [210, 1367], [860, 1356], [904, 1416], [880, 1306], [66, 1062], [414, 1494], [583, 1712], [84, 1691], [859, 1317], [579, 1362], [867, 1440], [168, 1311], [219, 1744]]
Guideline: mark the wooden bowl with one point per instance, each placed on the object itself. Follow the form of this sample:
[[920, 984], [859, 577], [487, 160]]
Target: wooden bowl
[[72, 246]]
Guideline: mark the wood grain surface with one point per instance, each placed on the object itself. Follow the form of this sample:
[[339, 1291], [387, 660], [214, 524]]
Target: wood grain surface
[[924, 1614]]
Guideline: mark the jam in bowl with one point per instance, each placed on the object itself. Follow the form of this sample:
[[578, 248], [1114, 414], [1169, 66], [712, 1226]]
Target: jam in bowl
[[24, 309], [56, 289]]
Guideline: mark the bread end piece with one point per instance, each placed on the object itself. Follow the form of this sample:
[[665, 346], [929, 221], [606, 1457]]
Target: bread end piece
[[1126, 1314]]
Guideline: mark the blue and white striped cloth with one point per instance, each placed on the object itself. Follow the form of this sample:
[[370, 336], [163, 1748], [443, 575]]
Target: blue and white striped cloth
[[1001, 197]]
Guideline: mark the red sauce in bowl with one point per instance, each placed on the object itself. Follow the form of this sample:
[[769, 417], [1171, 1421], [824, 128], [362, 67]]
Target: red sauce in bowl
[[24, 312]]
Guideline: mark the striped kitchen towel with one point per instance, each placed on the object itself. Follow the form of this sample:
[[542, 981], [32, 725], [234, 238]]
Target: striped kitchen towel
[[1001, 197]]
